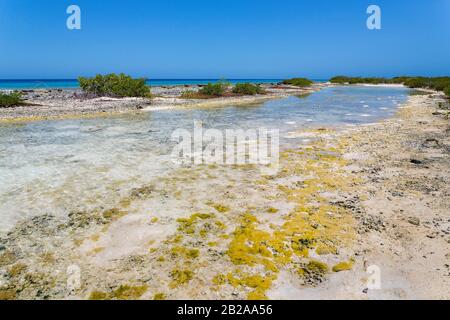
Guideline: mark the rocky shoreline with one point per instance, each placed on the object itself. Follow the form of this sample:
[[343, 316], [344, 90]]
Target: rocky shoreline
[[48, 104], [371, 197]]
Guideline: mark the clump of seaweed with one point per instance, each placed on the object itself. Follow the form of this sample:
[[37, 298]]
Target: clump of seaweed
[[7, 258], [123, 292], [344, 266], [180, 277], [159, 296], [17, 269]]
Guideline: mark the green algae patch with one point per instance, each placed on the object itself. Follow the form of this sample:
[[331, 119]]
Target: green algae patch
[[180, 277], [344, 266]]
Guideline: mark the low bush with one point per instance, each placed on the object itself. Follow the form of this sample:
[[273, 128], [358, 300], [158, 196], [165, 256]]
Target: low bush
[[214, 89], [193, 95], [10, 100], [359, 80], [436, 83], [247, 89], [113, 85], [447, 91], [298, 82]]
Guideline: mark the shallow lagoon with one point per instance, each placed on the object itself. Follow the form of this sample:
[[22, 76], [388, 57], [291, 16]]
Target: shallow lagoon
[[58, 167]]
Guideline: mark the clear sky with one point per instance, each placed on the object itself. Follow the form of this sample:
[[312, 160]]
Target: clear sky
[[224, 38]]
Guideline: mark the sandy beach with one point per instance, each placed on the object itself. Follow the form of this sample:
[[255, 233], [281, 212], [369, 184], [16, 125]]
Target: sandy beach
[[371, 197]]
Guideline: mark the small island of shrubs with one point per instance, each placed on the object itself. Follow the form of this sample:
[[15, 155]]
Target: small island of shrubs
[[8, 100], [298, 82], [113, 85], [435, 83], [222, 89]]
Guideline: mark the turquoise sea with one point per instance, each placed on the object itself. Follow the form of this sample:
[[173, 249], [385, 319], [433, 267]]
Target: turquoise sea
[[73, 83]]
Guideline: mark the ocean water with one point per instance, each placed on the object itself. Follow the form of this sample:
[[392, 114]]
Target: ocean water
[[71, 83], [67, 166]]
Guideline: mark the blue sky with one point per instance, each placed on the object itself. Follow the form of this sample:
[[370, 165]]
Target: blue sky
[[224, 38]]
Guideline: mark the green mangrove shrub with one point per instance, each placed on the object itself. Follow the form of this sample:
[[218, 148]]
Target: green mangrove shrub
[[298, 82], [214, 89], [435, 83], [113, 85], [247, 89], [360, 80], [10, 100], [447, 91]]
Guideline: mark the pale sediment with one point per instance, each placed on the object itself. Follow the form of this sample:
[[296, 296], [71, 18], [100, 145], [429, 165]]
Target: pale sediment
[[367, 196]]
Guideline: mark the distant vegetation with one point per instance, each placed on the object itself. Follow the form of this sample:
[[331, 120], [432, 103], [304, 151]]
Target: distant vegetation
[[357, 80], [222, 89], [113, 85], [215, 89], [436, 83], [298, 82], [10, 100], [247, 89]]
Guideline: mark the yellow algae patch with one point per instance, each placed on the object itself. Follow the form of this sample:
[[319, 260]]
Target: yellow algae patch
[[98, 295], [95, 251], [124, 292], [7, 294], [48, 258], [314, 224], [316, 267], [187, 253], [220, 207], [154, 220], [17, 269], [159, 296], [272, 210], [344, 266], [251, 246], [187, 225], [325, 249], [114, 214], [258, 284], [180, 277]]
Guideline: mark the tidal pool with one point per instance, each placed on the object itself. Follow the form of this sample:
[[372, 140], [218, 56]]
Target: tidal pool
[[59, 167]]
